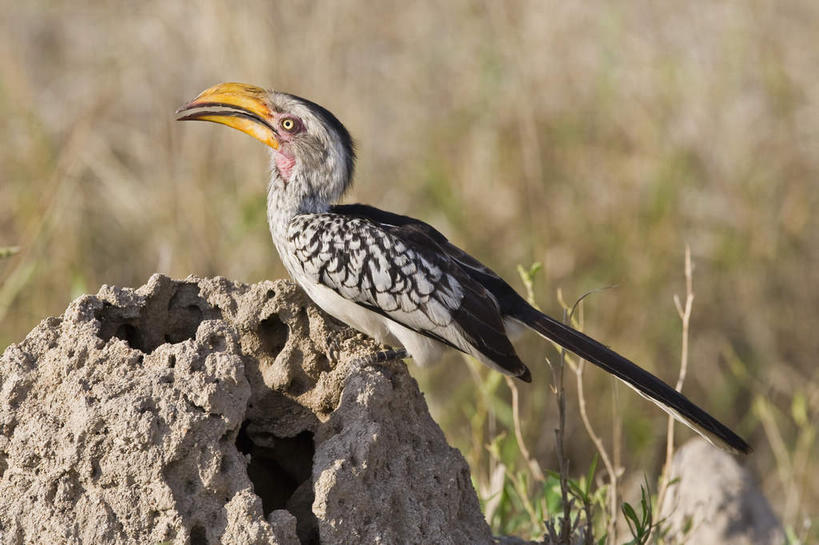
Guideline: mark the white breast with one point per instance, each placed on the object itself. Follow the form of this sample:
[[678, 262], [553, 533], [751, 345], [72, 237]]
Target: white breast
[[423, 349]]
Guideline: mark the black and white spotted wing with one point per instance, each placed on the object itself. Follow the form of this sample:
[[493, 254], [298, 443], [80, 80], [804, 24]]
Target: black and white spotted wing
[[508, 299], [394, 271]]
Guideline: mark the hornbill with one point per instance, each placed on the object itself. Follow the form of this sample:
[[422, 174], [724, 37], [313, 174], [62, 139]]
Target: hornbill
[[393, 277]]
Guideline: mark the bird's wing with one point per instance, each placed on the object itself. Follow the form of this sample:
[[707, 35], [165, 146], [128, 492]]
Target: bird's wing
[[508, 299], [400, 273], [512, 305]]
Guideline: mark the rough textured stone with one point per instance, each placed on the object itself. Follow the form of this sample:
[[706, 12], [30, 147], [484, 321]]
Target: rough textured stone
[[206, 411], [714, 501]]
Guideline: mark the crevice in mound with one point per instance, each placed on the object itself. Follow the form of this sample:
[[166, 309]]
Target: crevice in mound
[[280, 469], [171, 315], [199, 535], [273, 334]]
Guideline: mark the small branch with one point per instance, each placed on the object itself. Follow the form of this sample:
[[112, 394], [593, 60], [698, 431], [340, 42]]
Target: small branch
[[534, 467], [563, 463], [617, 428], [598, 442], [578, 369], [784, 465], [684, 313]]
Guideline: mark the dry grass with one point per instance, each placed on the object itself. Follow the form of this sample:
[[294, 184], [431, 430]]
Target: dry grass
[[598, 138]]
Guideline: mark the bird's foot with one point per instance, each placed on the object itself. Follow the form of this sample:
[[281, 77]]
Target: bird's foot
[[381, 356], [333, 348]]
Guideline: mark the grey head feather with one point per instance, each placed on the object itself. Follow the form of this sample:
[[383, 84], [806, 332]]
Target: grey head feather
[[328, 150]]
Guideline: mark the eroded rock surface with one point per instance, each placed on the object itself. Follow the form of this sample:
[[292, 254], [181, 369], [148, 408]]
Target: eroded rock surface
[[714, 501], [205, 411]]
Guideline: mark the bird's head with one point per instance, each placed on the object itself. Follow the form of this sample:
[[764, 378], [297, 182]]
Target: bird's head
[[312, 152]]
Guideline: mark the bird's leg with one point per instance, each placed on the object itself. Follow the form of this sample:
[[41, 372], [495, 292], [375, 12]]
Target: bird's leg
[[382, 356], [333, 348]]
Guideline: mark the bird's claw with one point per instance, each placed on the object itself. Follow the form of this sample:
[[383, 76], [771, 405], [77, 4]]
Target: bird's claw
[[381, 356], [333, 348]]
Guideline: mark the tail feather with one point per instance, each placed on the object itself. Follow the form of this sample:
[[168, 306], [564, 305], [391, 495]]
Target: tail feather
[[646, 384]]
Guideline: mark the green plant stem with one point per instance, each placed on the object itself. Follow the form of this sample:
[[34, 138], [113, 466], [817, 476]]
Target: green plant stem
[[563, 463]]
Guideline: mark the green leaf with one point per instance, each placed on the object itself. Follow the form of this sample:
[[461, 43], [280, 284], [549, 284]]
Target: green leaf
[[630, 514], [590, 474], [799, 409], [8, 251], [527, 276]]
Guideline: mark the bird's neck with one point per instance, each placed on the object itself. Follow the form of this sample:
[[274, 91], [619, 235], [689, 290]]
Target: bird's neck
[[307, 186], [287, 199]]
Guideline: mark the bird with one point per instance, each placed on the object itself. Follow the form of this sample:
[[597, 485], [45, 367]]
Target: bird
[[395, 278]]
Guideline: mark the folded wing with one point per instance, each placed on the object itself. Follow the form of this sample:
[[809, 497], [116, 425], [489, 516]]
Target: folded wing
[[395, 271], [512, 306]]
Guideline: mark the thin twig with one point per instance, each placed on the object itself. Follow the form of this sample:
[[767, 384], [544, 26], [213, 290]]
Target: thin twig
[[616, 429], [477, 446], [534, 467], [784, 466], [563, 463], [685, 316], [598, 443], [578, 369]]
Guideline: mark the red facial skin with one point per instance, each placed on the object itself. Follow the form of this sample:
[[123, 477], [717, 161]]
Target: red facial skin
[[285, 161]]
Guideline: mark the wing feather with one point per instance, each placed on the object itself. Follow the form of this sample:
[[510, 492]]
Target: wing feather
[[512, 305], [404, 275]]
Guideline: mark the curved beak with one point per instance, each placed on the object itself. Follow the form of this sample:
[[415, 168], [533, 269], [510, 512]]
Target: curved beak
[[238, 105]]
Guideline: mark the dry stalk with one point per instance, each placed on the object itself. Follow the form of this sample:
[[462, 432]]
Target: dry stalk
[[784, 467], [617, 428], [534, 467], [563, 463], [685, 316], [578, 369], [601, 449]]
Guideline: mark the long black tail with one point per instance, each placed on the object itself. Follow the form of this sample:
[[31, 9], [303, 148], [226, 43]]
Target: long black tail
[[646, 384]]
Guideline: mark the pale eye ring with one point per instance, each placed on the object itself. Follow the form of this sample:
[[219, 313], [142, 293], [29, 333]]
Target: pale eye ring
[[289, 124]]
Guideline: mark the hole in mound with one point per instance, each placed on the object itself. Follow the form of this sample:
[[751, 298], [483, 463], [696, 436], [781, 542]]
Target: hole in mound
[[199, 535], [131, 335], [273, 334], [169, 316], [280, 469]]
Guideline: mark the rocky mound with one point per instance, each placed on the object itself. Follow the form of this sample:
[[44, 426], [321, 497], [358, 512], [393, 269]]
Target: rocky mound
[[205, 411], [714, 500]]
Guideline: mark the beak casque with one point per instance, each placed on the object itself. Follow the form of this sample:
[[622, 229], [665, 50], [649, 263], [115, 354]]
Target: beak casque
[[238, 105]]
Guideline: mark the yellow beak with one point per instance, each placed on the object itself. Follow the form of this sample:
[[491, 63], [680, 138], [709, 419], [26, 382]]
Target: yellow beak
[[238, 105]]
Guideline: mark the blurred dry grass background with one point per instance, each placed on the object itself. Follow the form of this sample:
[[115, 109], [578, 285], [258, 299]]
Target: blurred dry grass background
[[597, 138]]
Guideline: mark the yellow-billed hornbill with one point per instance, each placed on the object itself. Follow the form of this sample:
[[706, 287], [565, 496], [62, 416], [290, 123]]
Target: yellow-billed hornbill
[[393, 277]]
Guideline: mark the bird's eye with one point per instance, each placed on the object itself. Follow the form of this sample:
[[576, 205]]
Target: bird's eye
[[289, 124]]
